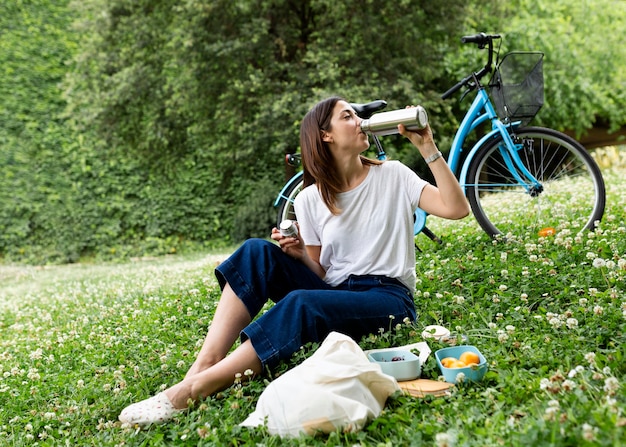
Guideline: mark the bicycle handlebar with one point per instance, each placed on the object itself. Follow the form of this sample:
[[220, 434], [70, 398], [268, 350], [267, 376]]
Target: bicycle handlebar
[[482, 40]]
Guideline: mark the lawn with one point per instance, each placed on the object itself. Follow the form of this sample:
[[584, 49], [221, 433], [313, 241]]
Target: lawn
[[80, 342]]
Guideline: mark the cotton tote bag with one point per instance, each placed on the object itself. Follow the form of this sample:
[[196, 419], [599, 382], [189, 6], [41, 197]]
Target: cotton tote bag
[[337, 388]]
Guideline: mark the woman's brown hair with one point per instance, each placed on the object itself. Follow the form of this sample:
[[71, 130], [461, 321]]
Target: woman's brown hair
[[317, 160]]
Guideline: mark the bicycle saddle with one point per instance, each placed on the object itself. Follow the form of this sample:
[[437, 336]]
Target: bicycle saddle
[[365, 111]]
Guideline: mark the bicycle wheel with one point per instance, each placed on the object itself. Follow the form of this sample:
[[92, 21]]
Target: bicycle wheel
[[285, 208], [571, 196]]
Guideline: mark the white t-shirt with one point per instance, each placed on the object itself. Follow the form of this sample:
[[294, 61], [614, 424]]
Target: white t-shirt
[[373, 234]]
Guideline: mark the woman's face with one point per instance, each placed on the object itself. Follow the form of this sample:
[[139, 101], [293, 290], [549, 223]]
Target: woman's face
[[345, 130]]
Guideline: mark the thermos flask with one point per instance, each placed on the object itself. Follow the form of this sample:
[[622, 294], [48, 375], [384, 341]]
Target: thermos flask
[[288, 228], [386, 123]]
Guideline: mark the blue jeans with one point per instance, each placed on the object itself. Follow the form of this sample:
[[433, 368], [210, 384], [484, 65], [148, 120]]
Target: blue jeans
[[306, 309]]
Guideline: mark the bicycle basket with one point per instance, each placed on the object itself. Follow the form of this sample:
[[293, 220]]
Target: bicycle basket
[[517, 86]]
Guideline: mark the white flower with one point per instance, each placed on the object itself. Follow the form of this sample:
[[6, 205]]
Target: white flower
[[573, 372], [568, 385], [36, 355], [443, 440], [589, 432], [599, 263], [611, 385], [590, 357], [571, 323], [502, 336], [555, 322]]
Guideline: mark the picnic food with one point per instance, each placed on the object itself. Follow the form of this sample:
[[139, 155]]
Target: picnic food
[[467, 358], [470, 358]]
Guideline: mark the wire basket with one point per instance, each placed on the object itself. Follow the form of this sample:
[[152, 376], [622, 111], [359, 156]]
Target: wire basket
[[517, 86]]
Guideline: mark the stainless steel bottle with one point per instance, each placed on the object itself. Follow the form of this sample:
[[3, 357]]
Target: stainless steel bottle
[[288, 228], [386, 123]]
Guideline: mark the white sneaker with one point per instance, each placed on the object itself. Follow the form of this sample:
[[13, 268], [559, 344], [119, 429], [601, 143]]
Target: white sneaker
[[156, 410]]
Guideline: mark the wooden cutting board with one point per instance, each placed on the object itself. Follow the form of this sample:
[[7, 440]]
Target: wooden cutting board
[[423, 387]]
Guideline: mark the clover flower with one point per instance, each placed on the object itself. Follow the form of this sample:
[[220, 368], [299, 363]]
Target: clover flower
[[568, 385], [444, 440], [599, 263], [502, 336], [589, 432], [36, 355], [611, 385], [591, 358]]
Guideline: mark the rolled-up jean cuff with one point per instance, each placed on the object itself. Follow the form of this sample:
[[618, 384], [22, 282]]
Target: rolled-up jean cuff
[[265, 351], [226, 272]]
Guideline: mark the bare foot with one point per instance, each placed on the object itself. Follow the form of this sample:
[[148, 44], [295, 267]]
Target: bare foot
[[180, 394]]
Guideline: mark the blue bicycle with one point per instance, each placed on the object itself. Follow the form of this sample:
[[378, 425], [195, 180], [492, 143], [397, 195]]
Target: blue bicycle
[[541, 174]]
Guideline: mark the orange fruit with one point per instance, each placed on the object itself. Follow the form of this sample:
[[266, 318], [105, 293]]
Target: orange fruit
[[457, 364], [470, 358], [448, 361], [548, 231]]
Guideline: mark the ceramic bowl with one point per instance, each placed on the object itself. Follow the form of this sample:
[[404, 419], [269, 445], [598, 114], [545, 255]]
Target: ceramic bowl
[[474, 373], [402, 365]]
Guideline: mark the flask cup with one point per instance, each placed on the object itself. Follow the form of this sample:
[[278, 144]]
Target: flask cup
[[288, 228], [386, 123]]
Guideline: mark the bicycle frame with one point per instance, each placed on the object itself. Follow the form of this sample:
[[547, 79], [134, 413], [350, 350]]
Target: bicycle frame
[[479, 112]]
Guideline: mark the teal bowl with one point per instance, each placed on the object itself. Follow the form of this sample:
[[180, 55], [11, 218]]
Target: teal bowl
[[402, 365], [473, 373]]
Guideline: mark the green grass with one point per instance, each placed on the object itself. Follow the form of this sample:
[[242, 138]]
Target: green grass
[[78, 343]]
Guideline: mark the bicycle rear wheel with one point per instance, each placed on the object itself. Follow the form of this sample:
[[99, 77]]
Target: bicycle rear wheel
[[572, 195], [285, 208]]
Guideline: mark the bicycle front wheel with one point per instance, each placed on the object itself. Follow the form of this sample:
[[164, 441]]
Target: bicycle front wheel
[[285, 208], [571, 194]]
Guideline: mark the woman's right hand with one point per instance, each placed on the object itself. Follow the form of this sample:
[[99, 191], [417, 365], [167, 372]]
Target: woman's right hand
[[292, 246]]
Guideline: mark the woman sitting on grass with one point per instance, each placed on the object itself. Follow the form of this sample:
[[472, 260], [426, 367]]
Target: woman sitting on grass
[[350, 269]]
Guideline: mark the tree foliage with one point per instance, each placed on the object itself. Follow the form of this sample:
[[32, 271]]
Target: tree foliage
[[139, 125]]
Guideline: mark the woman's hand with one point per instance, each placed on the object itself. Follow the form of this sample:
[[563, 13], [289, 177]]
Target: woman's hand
[[292, 246], [420, 137]]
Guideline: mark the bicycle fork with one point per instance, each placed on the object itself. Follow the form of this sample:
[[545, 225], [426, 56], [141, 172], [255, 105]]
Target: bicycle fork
[[510, 154]]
